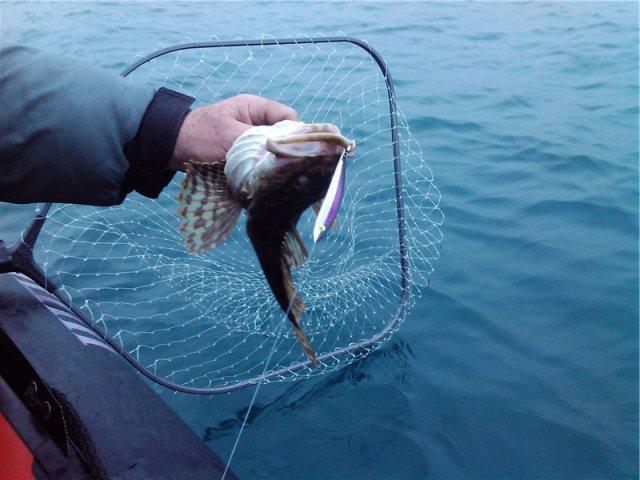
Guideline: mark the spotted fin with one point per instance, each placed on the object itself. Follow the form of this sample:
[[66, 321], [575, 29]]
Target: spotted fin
[[208, 213]]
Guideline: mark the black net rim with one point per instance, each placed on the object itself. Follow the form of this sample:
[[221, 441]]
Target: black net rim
[[21, 255]]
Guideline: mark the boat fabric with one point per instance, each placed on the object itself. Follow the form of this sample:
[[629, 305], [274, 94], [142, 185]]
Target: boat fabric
[[114, 421]]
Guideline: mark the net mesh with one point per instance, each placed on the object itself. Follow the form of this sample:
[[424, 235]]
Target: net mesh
[[208, 320]]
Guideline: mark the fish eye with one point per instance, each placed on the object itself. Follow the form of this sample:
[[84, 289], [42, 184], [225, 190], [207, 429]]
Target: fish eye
[[302, 183]]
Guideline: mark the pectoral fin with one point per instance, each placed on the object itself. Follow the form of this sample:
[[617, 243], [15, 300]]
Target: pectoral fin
[[275, 258], [208, 213]]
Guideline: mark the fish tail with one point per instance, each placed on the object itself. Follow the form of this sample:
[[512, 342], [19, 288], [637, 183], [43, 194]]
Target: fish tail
[[306, 346]]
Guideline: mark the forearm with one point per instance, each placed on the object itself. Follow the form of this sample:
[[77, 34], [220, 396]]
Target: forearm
[[74, 133]]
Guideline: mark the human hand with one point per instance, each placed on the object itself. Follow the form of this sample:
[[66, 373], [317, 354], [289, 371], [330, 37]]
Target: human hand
[[208, 132]]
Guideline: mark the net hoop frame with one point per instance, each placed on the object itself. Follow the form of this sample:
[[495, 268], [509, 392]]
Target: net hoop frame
[[21, 258]]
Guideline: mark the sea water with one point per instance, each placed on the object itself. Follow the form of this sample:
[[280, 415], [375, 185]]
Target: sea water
[[521, 358]]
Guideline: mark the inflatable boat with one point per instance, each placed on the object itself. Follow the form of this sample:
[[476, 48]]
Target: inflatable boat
[[71, 407]]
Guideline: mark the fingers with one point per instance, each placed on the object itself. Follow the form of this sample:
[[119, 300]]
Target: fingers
[[208, 132], [262, 111]]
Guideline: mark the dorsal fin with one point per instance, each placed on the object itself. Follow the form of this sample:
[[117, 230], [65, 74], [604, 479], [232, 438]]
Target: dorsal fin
[[207, 209]]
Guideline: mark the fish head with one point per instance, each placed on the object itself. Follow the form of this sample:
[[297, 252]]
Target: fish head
[[295, 171]]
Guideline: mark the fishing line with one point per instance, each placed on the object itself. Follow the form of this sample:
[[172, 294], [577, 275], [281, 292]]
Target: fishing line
[[203, 323], [259, 384], [253, 398]]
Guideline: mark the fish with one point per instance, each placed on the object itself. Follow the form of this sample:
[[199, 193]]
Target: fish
[[274, 173]]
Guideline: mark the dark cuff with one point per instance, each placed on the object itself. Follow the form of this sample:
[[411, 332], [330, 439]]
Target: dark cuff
[[151, 149]]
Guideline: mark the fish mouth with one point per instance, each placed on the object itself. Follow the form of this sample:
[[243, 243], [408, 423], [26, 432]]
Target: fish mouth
[[323, 140]]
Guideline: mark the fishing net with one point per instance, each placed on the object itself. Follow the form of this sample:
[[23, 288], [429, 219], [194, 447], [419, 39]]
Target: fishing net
[[209, 321]]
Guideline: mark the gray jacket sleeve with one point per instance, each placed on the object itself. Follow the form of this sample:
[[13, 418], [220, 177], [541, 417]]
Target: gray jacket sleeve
[[64, 126]]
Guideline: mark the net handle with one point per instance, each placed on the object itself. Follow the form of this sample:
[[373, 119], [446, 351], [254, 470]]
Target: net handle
[[25, 246]]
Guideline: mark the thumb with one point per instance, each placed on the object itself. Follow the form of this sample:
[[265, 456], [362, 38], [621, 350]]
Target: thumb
[[263, 111], [237, 128]]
